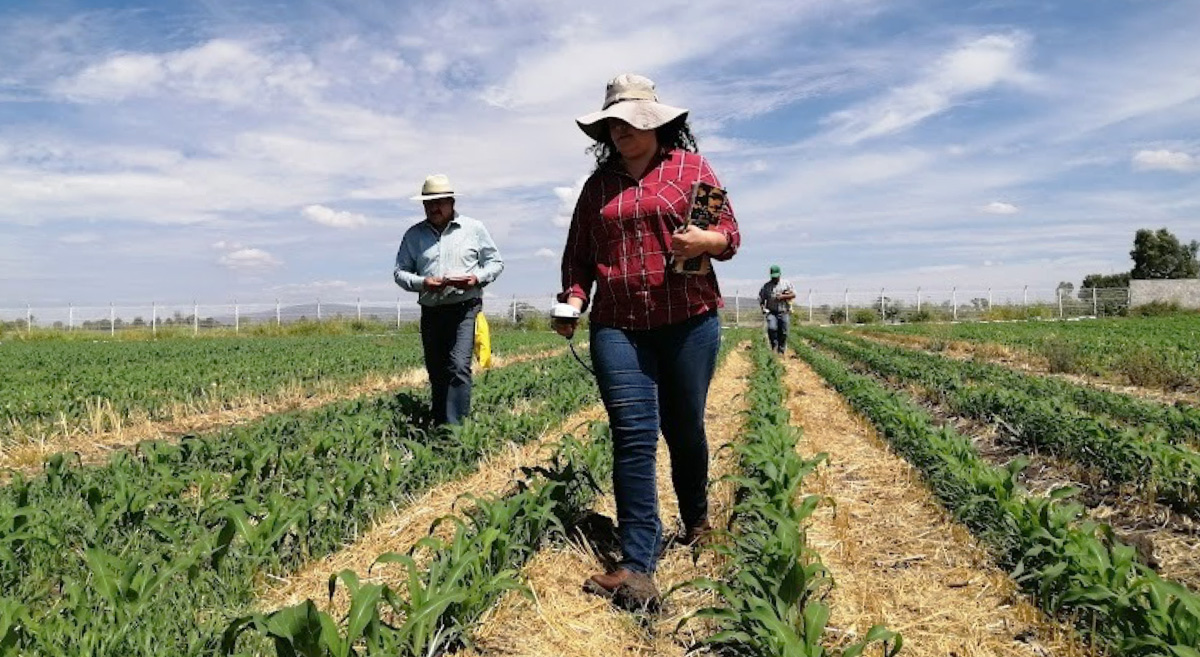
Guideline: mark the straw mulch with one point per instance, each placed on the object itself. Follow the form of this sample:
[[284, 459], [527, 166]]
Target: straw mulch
[[95, 446], [563, 620], [408, 523], [1029, 363], [895, 555]]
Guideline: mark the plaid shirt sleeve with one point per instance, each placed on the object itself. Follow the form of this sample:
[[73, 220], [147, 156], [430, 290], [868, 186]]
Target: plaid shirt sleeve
[[726, 224], [579, 262]]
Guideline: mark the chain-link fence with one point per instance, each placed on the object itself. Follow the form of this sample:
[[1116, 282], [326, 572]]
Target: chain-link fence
[[934, 305], [811, 305]]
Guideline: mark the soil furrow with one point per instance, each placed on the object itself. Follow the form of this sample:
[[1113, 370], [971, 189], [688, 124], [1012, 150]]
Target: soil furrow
[[408, 523], [895, 555], [95, 448], [563, 620]]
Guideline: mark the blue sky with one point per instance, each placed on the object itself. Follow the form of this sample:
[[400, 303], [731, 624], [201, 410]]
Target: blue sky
[[207, 150]]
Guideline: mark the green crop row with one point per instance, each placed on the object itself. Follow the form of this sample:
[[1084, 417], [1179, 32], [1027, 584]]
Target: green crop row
[[1151, 351], [53, 386], [1140, 455], [774, 587], [1068, 564], [155, 552], [437, 607], [1181, 421]]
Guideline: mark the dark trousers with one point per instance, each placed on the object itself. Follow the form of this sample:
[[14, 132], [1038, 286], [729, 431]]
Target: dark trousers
[[777, 330], [448, 339], [650, 380]]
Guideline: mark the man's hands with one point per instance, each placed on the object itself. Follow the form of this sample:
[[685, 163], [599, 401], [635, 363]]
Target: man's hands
[[564, 327], [462, 282], [439, 283]]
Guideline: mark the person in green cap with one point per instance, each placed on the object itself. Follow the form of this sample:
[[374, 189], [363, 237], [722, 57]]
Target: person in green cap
[[775, 299]]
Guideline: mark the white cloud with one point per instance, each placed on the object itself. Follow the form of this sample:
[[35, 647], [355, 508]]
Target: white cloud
[[116, 78], [567, 197], [330, 217], [1148, 160], [220, 70], [970, 69], [548, 254], [1000, 207], [249, 260]]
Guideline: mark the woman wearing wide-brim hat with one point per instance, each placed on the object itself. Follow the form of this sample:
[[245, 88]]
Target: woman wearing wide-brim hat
[[654, 332]]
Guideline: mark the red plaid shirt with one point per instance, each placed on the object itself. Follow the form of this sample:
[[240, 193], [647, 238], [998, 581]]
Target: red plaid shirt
[[620, 240]]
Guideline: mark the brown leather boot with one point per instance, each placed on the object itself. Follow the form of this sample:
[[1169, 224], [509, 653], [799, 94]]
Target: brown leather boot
[[630, 590], [699, 535]]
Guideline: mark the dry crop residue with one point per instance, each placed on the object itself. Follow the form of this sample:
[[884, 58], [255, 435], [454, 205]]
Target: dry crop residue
[[1023, 361], [95, 448], [896, 557], [400, 530], [563, 620]]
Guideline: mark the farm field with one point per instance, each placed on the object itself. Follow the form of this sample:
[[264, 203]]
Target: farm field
[[60, 394], [873, 499], [1160, 353], [155, 552], [1087, 497]]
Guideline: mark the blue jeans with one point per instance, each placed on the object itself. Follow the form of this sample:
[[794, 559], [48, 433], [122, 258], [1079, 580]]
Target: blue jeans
[[777, 330], [649, 380], [448, 339]]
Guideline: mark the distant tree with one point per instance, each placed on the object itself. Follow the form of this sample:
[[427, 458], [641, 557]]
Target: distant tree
[[1065, 288], [523, 311], [1092, 281], [1159, 254]]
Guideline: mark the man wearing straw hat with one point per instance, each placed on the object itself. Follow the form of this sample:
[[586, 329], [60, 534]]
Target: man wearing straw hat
[[775, 298], [447, 259]]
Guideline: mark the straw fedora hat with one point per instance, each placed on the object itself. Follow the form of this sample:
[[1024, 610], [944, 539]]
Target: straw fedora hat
[[436, 186], [631, 98]]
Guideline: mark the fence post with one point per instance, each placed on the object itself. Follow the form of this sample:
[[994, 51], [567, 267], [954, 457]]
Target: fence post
[[28, 319], [278, 314], [989, 299], [1025, 297], [237, 318], [112, 319], [154, 318], [846, 306], [358, 304], [1060, 303], [954, 303], [318, 309], [195, 318], [1095, 307], [918, 299], [70, 317], [810, 305], [882, 309]]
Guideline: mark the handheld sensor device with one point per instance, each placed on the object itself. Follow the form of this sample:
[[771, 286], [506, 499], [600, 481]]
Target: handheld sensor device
[[565, 312]]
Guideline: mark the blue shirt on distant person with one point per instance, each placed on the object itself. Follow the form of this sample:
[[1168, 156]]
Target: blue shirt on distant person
[[464, 248]]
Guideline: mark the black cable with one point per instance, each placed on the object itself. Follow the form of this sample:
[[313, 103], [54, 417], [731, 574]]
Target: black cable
[[576, 354]]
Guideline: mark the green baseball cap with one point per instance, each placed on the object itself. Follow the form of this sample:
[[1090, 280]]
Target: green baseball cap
[[775, 270]]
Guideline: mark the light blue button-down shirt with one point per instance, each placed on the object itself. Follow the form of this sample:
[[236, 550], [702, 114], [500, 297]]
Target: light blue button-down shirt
[[463, 248]]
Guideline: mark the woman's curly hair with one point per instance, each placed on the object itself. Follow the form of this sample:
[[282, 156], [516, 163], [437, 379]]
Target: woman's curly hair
[[673, 135]]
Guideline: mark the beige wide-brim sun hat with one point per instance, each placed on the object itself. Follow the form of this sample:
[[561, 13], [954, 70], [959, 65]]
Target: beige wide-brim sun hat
[[631, 98], [436, 186]]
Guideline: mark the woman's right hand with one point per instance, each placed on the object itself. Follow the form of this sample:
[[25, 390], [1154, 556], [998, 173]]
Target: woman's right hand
[[564, 327]]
